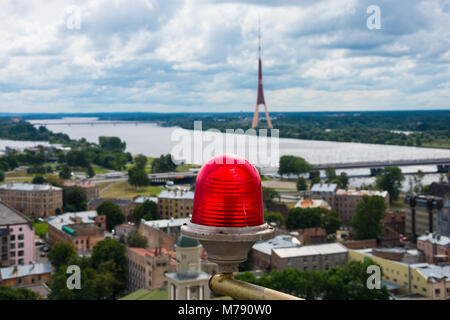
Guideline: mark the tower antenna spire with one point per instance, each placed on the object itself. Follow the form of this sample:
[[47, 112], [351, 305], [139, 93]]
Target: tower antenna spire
[[260, 94], [259, 36]]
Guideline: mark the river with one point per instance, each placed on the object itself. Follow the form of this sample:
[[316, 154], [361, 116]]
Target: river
[[153, 140]]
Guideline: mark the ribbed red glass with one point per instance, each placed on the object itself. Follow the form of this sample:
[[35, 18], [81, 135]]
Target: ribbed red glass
[[228, 194]]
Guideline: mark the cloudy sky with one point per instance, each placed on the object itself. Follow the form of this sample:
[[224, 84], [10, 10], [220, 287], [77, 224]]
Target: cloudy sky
[[201, 56]]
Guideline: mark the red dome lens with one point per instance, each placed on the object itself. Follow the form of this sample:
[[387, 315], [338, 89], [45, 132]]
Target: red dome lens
[[228, 194]]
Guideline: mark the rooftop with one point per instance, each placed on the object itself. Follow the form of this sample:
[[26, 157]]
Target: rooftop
[[186, 242], [324, 187], [282, 241], [26, 270], [10, 216], [310, 250], [166, 223], [435, 239], [362, 193], [308, 203], [155, 252], [176, 194], [28, 186], [432, 271], [68, 218], [142, 199]]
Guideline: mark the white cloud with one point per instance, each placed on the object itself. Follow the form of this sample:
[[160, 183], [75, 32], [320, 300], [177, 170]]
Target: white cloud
[[199, 55]]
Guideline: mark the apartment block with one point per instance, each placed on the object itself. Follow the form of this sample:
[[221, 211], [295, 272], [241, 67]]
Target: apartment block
[[311, 257], [84, 229], [175, 203], [422, 216], [146, 267], [42, 200], [90, 190], [436, 247], [344, 201], [427, 280], [16, 237]]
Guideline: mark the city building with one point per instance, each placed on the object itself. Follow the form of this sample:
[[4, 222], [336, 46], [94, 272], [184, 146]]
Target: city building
[[422, 217], [146, 268], [311, 257], [400, 254], [162, 233], [121, 231], [126, 205], [423, 279], [260, 257], [344, 201], [443, 219], [42, 200], [435, 247], [189, 282], [16, 237], [393, 229], [175, 203], [89, 189], [83, 229], [141, 199], [25, 275], [309, 203], [324, 191], [312, 236]]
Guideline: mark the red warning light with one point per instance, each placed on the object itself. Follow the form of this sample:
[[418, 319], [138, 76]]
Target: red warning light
[[228, 193]]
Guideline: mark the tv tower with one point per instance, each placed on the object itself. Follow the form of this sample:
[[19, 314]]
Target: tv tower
[[260, 95]]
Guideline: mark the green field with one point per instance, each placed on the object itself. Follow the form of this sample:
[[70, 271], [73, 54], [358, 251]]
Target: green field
[[40, 228], [123, 189]]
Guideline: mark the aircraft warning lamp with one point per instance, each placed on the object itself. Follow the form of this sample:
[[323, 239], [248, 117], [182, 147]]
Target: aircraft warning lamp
[[228, 215]]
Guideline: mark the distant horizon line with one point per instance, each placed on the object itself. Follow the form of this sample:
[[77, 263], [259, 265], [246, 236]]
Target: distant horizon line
[[230, 112]]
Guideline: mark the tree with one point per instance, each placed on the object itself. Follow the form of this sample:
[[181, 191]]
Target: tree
[[137, 176], [146, 211], [293, 165], [366, 221], [268, 195], [112, 143], [65, 172], [337, 283], [301, 218], [163, 164], [74, 200], [271, 216], [108, 256], [301, 184], [391, 180], [78, 158], [342, 180], [62, 253], [330, 221], [140, 160], [331, 174], [112, 212], [90, 171], [2, 175], [135, 240], [7, 293]]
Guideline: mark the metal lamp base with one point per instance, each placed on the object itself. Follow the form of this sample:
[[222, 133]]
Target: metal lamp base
[[227, 246]]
